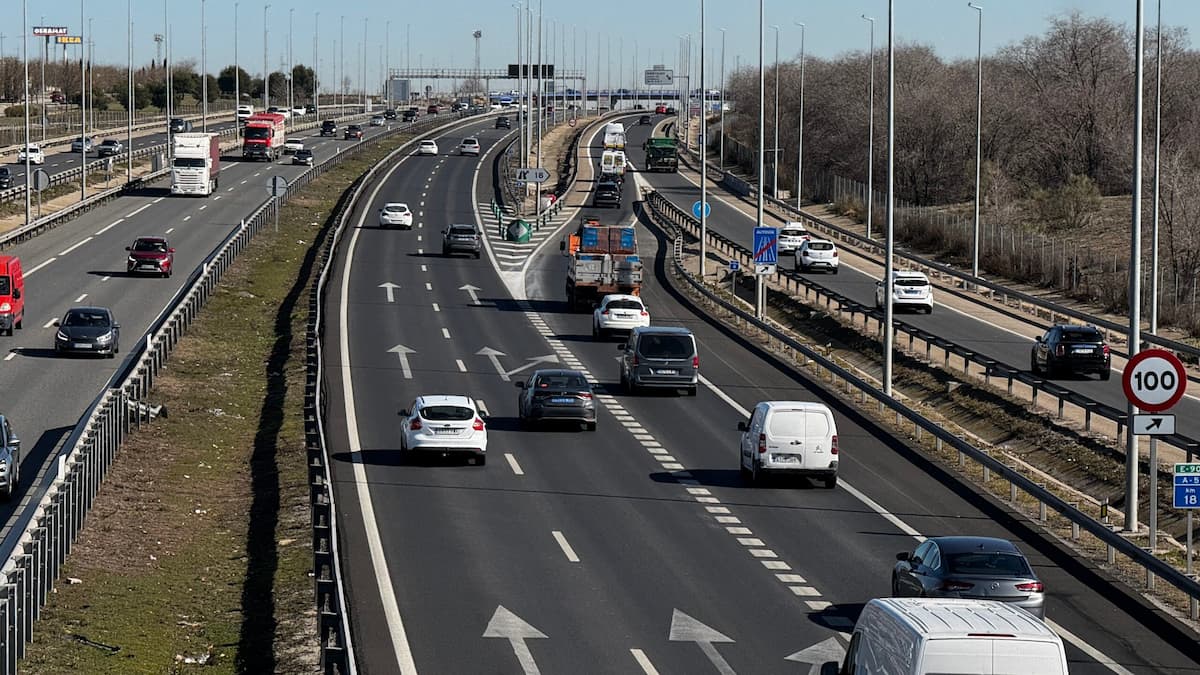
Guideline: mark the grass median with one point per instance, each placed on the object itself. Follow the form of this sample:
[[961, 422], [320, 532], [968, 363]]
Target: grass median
[[197, 553]]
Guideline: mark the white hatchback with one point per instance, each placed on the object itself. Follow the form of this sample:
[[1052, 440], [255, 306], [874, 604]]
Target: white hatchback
[[817, 254], [909, 289], [619, 313], [427, 148], [395, 214], [292, 145], [446, 425], [469, 146], [35, 154], [791, 235]]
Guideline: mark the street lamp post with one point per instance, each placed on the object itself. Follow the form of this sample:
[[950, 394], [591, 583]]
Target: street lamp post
[[978, 135], [871, 130], [703, 156], [800, 131], [25, 86], [1132, 455], [1157, 156], [775, 147], [888, 330], [762, 95], [82, 101], [387, 63], [722, 161], [129, 100], [203, 69], [266, 65], [291, 73], [342, 66], [316, 85], [237, 68]]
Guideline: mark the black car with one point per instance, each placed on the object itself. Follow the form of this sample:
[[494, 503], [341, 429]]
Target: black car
[[329, 128], [503, 123], [6, 178], [303, 157], [644, 119], [1071, 349], [353, 131], [180, 125], [556, 395], [90, 330], [409, 115], [389, 114], [608, 193], [670, 110]]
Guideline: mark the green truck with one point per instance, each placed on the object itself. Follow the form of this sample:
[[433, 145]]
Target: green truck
[[660, 154]]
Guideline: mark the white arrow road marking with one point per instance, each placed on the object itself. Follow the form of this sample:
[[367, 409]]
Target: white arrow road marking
[[505, 624], [471, 291], [403, 352], [494, 356], [391, 290], [549, 358], [686, 629], [829, 649]]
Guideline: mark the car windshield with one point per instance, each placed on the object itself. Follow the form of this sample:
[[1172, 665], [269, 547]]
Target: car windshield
[[190, 162], [428, 143], [987, 564], [447, 413], [257, 132], [624, 304], [5, 285], [150, 245], [570, 381], [304, 153], [820, 246], [34, 148], [910, 281], [109, 143], [666, 346], [1081, 335], [86, 319], [470, 141]]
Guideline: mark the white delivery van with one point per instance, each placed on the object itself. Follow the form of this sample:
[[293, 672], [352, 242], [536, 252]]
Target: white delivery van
[[612, 164], [614, 136], [793, 437], [923, 636]]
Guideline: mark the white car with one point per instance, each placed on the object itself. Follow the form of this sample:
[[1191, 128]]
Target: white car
[[791, 235], [619, 313], [395, 214], [427, 148], [469, 146], [377, 121], [35, 154], [287, 114], [244, 111], [299, 112], [798, 438], [817, 254], [448, 425], [909, 289], [292, 145]]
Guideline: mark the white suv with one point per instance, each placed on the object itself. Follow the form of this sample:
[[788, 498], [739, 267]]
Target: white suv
[[791, 235], [35, 154], [619, 313], [469, 146], [909, 289], [817, 254], [446, 425]]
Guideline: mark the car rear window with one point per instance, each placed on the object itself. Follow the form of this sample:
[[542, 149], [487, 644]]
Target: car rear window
[[1081, 335], [987, 564], [624, 304], [462, 229], [447, 413], [572, 382], [910, 281], [820, 246], [144, 245], [792, 232], [666, 346], [395, 208]]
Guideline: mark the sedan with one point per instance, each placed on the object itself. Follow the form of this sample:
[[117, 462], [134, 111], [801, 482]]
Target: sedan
[[395, 214], [556, 395], [446, 425], [377, 121], [618, 313], [304, 157], [469, 146], [150, 255], [292, 145], [91, 330], [427, 148], [82, 144], [353, 132], [34, 153], [109, 148], [6, 178], [982, 568]]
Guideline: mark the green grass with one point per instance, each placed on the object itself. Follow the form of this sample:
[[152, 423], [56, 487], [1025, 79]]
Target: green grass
[[199, 543]]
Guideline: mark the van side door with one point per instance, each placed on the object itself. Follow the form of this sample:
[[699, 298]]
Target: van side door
[[749, 443]]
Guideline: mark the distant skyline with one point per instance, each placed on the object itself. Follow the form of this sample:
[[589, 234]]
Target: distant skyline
[[949, 27]]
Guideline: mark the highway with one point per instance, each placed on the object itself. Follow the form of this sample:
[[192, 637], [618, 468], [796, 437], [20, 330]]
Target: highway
[[636, 548], [82, 262]]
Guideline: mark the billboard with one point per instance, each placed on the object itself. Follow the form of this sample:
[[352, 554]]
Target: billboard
[[525, 69], [660, 76], [49, 31], [69, 39]]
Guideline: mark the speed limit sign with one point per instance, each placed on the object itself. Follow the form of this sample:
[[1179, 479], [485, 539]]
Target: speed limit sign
[[1154, 380]]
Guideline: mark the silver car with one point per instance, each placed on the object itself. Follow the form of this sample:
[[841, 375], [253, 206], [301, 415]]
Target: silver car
[[81, 144], [10, 459], [460, 239], [981, 568]]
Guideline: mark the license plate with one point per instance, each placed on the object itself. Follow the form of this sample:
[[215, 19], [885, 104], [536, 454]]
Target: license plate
[[82, 345], [562, 400], [786, 459], [1083, 350], [666, 372], [445, 431]]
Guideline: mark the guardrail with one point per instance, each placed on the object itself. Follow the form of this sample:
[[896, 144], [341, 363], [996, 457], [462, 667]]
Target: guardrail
[[44, 530], [1115, 543], [996, 291], [148, 122]]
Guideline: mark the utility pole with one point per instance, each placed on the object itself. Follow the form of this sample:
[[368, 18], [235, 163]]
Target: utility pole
[[800, 131], [1157, 156], [203, 68], [82, 100], [366, 22], [342, 67], [130, 99], [237, 69], [1132, 454], [775, 148], [291, 73], [266, 64], [722, 100], [888, 282], [978, 135], [871, 130], [25, 88], [316, 64], [703, 157]]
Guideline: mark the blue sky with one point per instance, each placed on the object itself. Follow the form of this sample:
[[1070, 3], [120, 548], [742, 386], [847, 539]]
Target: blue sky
[[440, 30]]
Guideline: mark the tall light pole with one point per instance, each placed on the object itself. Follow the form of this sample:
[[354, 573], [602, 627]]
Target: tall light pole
[[703, 156], [342, 66], [871, 129], [266, 66], [1135, 279], [800, 131], [723, 131], [291, 73], [888, 330], [775, 148], [203, 69], [366, 22], [316, 86], [978, 135], [129, 100], [25, 86], [387, 63], [762, 96], [167, 68], [1157, 156], [82, 100], [237, 68]]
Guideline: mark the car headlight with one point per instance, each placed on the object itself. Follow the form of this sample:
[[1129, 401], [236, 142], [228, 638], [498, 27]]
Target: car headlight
[[132, 259], [61, 336], [107, 337], [5, 307]]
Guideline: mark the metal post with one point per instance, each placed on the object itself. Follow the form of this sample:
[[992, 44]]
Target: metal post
[[703, 159], [237, 69], [1135, 276], [762, 95], [888, 330], [129, 102], [82, 103], [978, 136], [537, 192], [1157, 155], [722, 100], [800, 129], [266, 65], [341, 69], [871, 130], [775, 147], [25, 86], [1153, 508], [316, 87]]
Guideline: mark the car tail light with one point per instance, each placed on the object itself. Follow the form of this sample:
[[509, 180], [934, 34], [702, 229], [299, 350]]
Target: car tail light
[[645, 313], [835, 254], [1105, 349], [951, 585], [478, 425], [833, 446], [604, 312], [1060, 350], [1031, 587], [415, 425], [633, 361], [695, 361], [586, 396], [762, 444]]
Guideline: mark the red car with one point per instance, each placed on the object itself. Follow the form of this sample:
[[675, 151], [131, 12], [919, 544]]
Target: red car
[[151, 255], [660, 109]]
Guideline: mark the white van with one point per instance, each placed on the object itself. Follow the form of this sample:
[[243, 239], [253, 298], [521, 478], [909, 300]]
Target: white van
[[612, 163], [794, 437], [921, 636], [614, 136]]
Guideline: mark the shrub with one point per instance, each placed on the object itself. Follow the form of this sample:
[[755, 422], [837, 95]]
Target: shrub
[[19, 111], [851, 206]]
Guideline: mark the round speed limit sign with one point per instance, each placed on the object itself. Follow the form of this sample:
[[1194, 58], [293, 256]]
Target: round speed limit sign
[[1154, 380]]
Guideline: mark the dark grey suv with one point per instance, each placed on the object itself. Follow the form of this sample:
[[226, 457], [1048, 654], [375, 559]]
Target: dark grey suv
[[660, 357], [608, 193], [555, 394], [460, 239]]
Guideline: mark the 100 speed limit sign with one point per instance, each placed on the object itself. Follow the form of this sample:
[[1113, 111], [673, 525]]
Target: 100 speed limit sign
[[1154, 380]]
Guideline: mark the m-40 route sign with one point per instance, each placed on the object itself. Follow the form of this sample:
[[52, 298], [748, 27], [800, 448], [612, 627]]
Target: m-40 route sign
[[1154, 380]]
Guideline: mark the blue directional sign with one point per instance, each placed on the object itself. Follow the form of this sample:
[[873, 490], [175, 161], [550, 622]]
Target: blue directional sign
[[696, 209], [734, 265], [1187, 485], [766, 246]]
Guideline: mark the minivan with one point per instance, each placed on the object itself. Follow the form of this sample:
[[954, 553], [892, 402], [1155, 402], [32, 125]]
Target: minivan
[[12, 294], [915, 636], [798, 438], [660, 357]]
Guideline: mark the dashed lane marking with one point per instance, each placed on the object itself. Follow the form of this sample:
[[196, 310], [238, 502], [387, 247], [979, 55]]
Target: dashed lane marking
[[512, 463], [565, 546]]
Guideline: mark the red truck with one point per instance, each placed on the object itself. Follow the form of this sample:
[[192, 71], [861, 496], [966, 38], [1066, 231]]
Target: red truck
[[263, 136]]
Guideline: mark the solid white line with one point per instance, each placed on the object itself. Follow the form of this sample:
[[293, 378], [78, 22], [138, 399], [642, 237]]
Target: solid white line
[[75, 246], [462, 367], [130, 215], [512, 462], [80, 298], [108, 227], [1088, 649], [158, 200], [49, 323], [643, 661], [566, 548], [39, 266], [383, 576]]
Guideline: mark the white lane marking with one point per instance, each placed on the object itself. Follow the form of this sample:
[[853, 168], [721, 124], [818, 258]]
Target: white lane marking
[[202, 207], [383, 576], [101, 278], [130, 215], [75, 246], [436, 308], [750, 541], [512, 463], [1091, 651], [245, 181], [566, 547], [158, 200], [229, 190], [428, 286], [462, 367], [108, 227], [217, 198], [805, 591], [39, 266], [258, 174], [418, 237], [49, 323], [171, 229], [818, 605], [185, 219], [446, 333], [644, 662], [80, 298], [424, 269], [11, 356]]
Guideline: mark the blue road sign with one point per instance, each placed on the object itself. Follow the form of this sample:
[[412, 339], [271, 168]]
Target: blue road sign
[[766, 246], [1187, 486], [734, 265], [696, 209]]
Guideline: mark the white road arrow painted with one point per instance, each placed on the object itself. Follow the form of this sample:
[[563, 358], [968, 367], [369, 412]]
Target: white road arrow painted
[[505, 624], [494, 355], [686, 629], [829, 649], [403, 352], [549, 358], [391, 290], [472, 291]]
